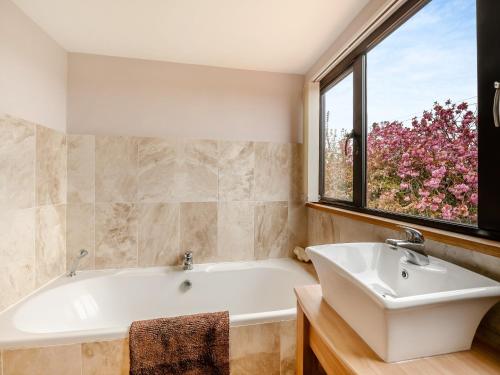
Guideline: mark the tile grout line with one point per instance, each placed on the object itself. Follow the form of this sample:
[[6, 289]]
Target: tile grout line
[[35, 208]]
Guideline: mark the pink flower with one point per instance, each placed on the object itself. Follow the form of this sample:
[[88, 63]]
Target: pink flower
[[473, 198]]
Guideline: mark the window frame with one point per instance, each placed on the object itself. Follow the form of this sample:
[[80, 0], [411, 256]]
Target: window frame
[[488, 225]]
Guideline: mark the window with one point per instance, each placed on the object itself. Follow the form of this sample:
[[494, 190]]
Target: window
[[400, 130], [338, 127]]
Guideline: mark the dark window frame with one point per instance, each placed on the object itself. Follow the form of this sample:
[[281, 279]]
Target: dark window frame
[[488, 49]]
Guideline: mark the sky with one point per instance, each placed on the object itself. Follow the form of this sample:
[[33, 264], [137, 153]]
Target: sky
[[431, 57]]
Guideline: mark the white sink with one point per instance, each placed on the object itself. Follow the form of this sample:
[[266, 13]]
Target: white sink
[[434, 310]]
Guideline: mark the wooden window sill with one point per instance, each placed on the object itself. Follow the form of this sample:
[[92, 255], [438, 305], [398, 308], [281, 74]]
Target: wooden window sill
[[472, 243]]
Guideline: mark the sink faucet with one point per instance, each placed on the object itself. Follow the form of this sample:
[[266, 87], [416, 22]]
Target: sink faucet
[[188, 261], [413, 246], [72, 272]]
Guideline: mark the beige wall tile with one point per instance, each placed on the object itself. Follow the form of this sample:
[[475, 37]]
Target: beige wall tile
[[198, 230], [288, 337], [80, 234], [115, 235], [255, 349], [489, 265], [321, 229], [272, 171], [54, 360], [17, 255], [159, 234], [297, 173], [157, 170], [297, 224], [197, 174], [271, 230], [236, 171], [116, 169], [235, 231], [81, 173], [17, 169], [106, 358], [50, 243], [51, 166]]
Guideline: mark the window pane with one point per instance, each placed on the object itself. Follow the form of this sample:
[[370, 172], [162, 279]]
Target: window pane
[[422, 118], [338, 120]]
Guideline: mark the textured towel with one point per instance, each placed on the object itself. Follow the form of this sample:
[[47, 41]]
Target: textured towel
[[185, 345]]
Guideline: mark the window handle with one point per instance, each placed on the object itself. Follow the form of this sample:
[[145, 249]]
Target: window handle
[[496, 105], [346, 141]]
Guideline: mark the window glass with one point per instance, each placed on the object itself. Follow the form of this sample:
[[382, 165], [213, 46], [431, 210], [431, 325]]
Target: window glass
[[422, 149], [338, 126]]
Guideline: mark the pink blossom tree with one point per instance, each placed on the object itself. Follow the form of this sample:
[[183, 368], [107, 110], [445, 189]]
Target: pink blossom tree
[[428, 168]]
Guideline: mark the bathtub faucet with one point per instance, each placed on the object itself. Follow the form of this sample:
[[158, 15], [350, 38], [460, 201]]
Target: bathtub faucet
[[72, 272], [188, 261]]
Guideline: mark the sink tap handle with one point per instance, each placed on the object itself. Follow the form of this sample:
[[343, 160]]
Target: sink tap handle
[[413, 235]]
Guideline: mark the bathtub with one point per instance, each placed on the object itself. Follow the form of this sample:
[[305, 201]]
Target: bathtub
[[100, 305]]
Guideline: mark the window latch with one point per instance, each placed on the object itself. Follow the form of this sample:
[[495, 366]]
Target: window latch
[[346, 142]]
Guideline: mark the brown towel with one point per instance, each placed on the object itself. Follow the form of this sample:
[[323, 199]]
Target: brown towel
[[185, 345]]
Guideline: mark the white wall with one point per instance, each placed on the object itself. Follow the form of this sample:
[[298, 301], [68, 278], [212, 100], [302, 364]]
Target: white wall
[[32, 70], [110, 95]]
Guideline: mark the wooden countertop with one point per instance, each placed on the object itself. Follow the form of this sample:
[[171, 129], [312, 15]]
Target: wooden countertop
[[336, 342]]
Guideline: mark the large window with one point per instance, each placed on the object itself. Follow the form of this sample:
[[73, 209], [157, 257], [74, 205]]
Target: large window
[[400, 129]]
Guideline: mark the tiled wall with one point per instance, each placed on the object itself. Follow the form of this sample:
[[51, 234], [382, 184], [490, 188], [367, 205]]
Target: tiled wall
[[267, 348], [327, 228], [32, 207], [144, 201]]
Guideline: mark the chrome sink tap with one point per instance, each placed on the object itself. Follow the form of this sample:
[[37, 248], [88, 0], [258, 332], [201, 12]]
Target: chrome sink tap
[[188, 261], [72, 272], [414, 246]]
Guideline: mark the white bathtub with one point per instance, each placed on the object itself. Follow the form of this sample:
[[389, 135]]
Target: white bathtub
[[100, 305]]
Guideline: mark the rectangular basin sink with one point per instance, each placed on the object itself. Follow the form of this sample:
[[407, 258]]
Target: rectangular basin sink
[[403, 311]]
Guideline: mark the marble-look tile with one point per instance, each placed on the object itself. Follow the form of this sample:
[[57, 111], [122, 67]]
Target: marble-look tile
[[115, 235], [157, 170], [106, 358], [271, 230], [272, 171], [255, 349], [354, 231], [52, 360], [81, 172], [51, 166], [235, 231], [17, 255], [321, 229], [197, 172], [116, 169], [236, 171], [159, 234], [489, 266], [297, 192], [17, 166], [288, 337], [50, 243], [80, 234], [297, 224], [198, 230]]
